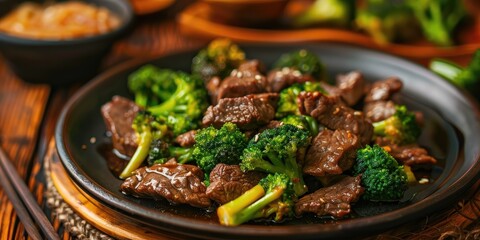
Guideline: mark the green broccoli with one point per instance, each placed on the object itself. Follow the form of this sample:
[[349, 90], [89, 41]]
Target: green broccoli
[[219, 58], [275, 151], [439, 18], [388, 21], [400, 128], [327, 13], [382, 177], [148, 129], [304, 61], [183, 110], [272, 195], [213, 146], [287, 103], [467, 78], [303, 122], [161, 151], [151, 85]]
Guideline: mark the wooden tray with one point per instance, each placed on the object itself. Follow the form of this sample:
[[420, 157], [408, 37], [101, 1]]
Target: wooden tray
[[195, 21]]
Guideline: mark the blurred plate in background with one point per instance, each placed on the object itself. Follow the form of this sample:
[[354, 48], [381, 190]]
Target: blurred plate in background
[[197, 21]]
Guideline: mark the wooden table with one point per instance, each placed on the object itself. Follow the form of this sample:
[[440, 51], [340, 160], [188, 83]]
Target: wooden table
[[29, 113]]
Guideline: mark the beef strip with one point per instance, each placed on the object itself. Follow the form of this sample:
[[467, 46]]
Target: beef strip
[[246, 112], [118, 115], [178, 183], [379, 110], [410, 154], [227, 182], [245, 80], [351, 86], [279, 79], [331, 153], [333, 200], [383, 90], [186, 139], [334, 114]]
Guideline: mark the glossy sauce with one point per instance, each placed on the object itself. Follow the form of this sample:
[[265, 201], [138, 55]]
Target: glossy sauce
[[65, 20]]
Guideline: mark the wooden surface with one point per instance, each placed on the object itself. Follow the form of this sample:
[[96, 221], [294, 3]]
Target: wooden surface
[[28, 114]]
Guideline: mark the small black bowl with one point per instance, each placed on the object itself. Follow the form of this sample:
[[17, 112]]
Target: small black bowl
[[60, 62]]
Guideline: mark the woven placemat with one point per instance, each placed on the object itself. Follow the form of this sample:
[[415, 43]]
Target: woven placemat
[[74, 224]]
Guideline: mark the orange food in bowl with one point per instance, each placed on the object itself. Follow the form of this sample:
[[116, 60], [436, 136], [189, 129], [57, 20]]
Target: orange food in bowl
[[63, 20]]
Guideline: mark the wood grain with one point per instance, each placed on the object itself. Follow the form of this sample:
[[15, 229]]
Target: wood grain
[[21, 109]]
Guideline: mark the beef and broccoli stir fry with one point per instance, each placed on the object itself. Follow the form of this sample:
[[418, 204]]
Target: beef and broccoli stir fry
[[248, 142]]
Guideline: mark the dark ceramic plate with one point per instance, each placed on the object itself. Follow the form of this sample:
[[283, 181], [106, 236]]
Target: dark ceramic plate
[[451, 134]]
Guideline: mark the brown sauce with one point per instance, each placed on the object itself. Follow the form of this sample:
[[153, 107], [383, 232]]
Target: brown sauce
[[57, 21]]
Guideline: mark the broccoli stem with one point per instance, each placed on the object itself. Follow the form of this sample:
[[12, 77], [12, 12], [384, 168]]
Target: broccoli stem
[[183, 155], [140, 154], [447, 70], [379, 128], [141, 99], [171, 103], [248, 206], [312, 125], [298, 185], [437, 30]]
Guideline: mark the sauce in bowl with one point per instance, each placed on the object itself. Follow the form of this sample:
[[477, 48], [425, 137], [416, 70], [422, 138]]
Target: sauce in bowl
[[65, 20]]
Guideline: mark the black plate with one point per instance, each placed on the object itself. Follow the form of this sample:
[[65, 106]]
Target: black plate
[[451, 134]]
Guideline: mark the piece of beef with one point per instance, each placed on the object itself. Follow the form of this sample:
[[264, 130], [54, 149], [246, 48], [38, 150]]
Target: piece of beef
[[351, 86], [379, 110], [333, 200], [186, 139], [227, 182], [246, 112], [279, 79], [332, 91], [212, 88], [245, 80], [331, 153], [334, 114], [118, 115], [383, 90], [410, 154], [178, 183]]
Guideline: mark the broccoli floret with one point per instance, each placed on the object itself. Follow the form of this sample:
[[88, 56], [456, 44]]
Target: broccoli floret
[[400, 128], [327, 13], [465, 77], [303, 122], [439, 18], [304, 61], [213, 146], [287, 103], [388, 21], [272, 195], [183, 110], [382, 177], [148, 129], [161, 152], [219, 58], [151, 85], [275, 151]]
